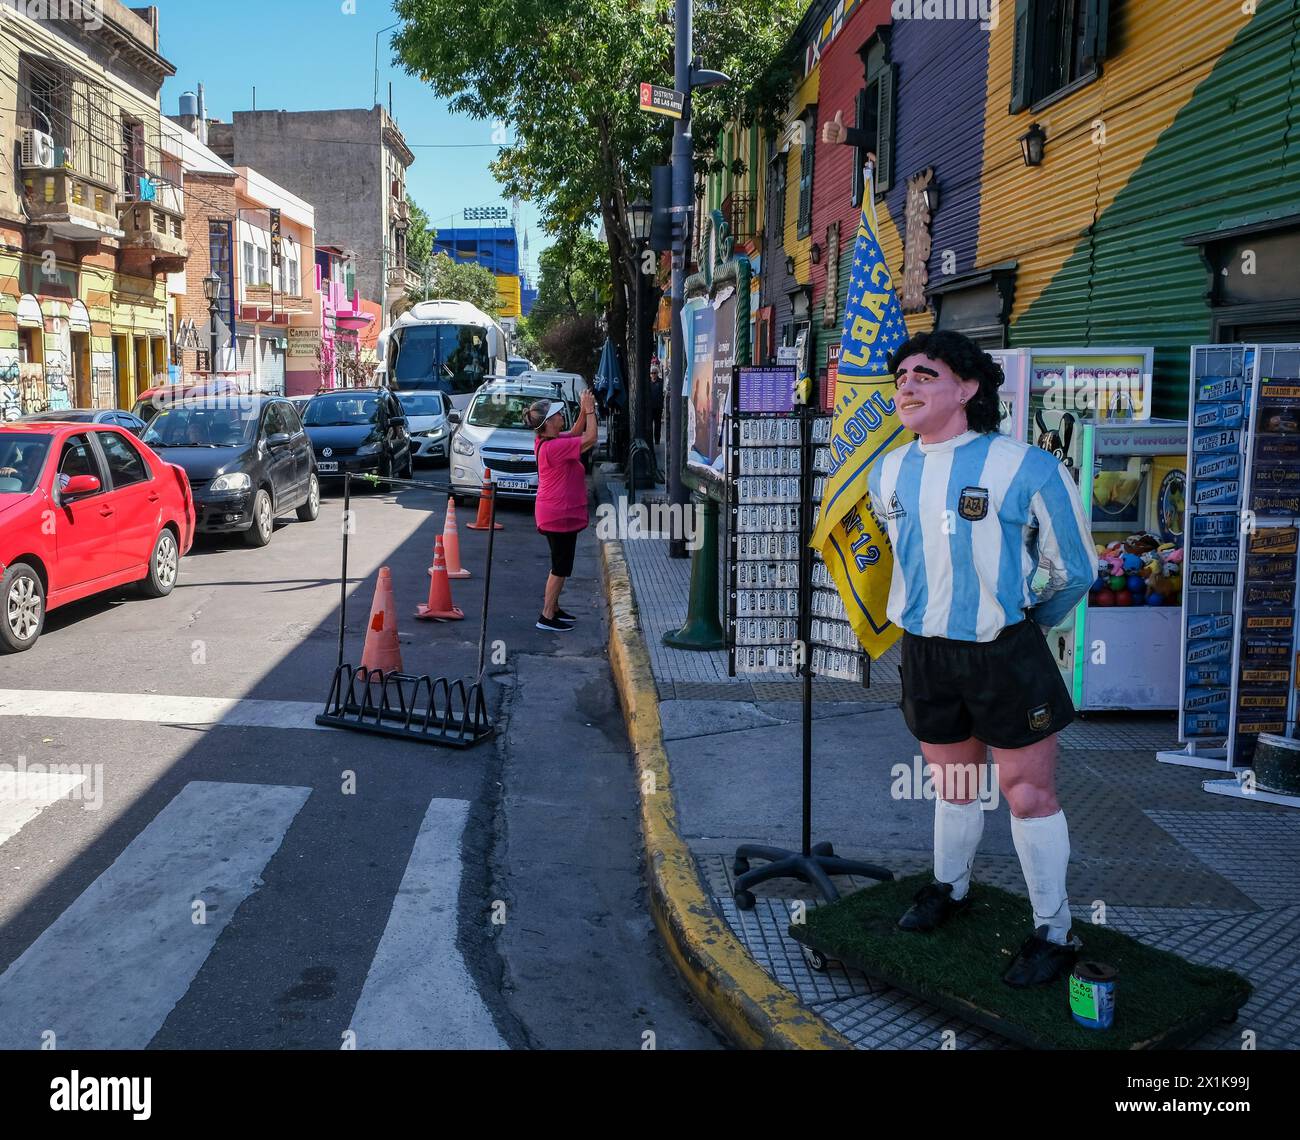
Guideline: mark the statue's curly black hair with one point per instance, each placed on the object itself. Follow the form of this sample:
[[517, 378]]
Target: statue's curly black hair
[[967, 360]]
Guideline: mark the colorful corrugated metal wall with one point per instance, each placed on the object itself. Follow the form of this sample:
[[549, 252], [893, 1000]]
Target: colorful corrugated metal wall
[[1197, 118]]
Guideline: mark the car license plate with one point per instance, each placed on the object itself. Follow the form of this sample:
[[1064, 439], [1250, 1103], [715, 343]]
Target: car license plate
[[514, 484], [327, 468]]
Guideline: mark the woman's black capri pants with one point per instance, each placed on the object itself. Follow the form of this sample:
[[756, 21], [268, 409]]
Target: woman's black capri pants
[[563, 544]]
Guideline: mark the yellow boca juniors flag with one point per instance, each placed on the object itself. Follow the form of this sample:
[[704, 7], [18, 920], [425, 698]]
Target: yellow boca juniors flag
[[865, 427]]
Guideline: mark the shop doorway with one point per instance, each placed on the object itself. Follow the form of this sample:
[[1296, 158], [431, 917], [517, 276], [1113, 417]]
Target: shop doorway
[[122, 371], [80, 385], [158, 345], [141, 347], [31, 346]]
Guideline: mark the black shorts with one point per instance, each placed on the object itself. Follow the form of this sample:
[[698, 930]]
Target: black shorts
[[563, 545], [1007, 693]]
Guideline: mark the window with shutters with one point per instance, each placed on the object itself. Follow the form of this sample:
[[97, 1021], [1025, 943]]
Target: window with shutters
[[1058, 48], [776, 199], [875, 118], [806, 153]]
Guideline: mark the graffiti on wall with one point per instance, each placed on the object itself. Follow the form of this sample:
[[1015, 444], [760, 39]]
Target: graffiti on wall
[[34, 391], [11, 396], [56, 380]]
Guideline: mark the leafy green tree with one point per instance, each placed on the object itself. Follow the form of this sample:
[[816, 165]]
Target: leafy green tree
[[451, 280], [420, 235], [563, 75], [573, 280]]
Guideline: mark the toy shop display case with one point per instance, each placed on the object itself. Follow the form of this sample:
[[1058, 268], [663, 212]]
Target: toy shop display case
[[1119, 649]]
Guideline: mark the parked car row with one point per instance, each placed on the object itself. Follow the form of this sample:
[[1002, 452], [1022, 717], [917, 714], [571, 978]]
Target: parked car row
[[84, 507], [128, 491]]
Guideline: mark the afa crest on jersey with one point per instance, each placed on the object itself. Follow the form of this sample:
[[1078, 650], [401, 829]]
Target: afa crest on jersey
[[973, 504]]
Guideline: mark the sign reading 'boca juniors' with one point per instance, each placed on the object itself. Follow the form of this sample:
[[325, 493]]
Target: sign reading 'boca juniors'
[[864, 429]]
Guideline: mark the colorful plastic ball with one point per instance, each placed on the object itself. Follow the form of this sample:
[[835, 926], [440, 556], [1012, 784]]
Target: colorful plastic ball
[[1105, 598], [1154, 599], [1123, 598], [1136, 585], [1117, 582]]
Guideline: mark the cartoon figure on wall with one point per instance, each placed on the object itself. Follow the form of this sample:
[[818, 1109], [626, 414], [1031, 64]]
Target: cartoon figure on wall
[[1056, 439]]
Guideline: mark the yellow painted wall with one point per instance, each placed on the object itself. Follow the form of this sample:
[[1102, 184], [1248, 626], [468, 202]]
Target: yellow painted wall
[[1158, 61], [805, 95]]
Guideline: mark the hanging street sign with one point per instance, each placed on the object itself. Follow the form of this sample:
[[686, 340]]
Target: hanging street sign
[[276, 234], [662, 100]]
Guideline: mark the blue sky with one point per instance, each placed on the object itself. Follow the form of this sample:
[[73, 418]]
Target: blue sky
[[308, 55]]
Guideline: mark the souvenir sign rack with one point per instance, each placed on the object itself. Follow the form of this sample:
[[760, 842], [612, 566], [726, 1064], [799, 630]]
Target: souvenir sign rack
[[777, 463], [765, 525], [1240, 563], [769, 595]]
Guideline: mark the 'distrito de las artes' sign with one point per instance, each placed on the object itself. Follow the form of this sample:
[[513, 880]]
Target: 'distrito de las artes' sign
[[662, 100]]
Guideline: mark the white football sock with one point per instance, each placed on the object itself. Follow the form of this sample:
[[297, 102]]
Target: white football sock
[[957, 832], [1043, 844]]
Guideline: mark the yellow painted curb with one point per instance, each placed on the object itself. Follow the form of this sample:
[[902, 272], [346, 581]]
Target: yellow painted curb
[[754, 1011]]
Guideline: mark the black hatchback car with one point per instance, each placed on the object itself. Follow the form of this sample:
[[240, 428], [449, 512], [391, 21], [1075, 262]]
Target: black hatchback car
[[247, 458], [361, 430]]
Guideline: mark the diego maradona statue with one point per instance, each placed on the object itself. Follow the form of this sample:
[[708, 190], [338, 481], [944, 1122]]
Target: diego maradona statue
[[972, 516]]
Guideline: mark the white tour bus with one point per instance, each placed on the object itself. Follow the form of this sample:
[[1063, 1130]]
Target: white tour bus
[[442, 346]]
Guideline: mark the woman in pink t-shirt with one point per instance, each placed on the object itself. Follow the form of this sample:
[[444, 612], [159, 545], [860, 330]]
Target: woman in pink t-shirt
[[561, 494]]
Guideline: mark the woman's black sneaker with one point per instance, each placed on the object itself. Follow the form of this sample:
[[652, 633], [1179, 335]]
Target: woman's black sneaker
[[1040, 961], [563, 615], [554, 625], [931, 905]]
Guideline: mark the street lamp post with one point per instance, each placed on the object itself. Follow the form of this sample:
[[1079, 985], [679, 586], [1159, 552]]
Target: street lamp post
[[640, 464], [375, 97], [212, 294]]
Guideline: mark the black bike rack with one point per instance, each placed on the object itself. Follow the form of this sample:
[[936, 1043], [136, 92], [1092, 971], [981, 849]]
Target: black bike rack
[[452, 713], [390, 704]]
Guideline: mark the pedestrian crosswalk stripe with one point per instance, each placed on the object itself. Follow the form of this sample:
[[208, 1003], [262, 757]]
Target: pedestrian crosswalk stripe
[[418, 993], [107, 972], [25, 794], [160, 709]]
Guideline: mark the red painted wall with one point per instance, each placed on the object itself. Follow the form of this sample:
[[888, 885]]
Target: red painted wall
[[842, 71]]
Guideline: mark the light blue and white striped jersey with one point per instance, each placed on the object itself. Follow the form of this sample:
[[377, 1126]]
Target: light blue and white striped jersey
[[971, 520]]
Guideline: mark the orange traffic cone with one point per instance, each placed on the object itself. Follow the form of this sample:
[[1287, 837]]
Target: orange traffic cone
[[381, 651], [484, 520], [451, 543], [439, 607]]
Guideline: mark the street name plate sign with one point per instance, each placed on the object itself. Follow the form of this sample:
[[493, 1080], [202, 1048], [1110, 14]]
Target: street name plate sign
[[662, 100]]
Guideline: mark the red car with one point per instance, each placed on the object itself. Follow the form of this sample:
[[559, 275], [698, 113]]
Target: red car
[[83, 508]]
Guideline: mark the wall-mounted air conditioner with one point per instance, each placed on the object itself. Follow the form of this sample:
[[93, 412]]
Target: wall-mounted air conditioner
[[38, 149]]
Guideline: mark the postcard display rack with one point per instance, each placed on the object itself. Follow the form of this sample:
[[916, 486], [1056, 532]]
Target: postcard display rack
[[772, 600], [772, 512], [1239, 594]]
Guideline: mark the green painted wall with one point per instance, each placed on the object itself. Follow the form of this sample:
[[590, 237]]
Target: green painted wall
[[1231, 154]]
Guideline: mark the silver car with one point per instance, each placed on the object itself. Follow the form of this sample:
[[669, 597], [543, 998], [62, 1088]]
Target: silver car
[[427, 419], [492, 434]]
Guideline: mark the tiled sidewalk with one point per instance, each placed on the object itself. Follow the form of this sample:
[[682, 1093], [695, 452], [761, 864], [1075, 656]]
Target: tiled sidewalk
[[1215, 880]]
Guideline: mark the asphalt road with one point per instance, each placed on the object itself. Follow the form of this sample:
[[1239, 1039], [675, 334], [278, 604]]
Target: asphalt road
[[188, 863]]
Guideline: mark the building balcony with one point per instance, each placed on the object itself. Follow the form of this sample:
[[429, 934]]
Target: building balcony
[[156, 229], [70, 205], [258, 301], [400, 277]]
